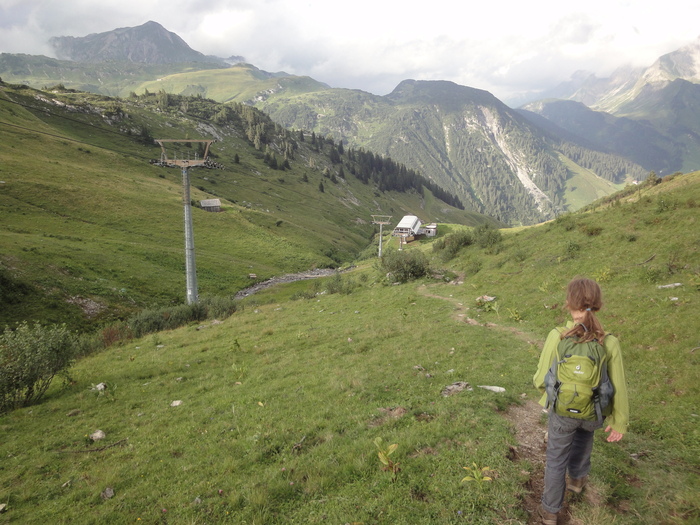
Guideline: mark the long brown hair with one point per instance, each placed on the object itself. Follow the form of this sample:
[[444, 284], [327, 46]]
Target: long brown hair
[[584, 295]]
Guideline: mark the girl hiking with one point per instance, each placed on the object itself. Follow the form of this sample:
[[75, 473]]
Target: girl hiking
[[572, 375]]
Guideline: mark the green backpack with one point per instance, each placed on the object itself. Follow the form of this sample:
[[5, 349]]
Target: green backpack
[[577, 383]]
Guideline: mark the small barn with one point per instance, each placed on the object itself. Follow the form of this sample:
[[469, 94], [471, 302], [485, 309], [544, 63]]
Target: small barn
[[213, 205], [407, 228]]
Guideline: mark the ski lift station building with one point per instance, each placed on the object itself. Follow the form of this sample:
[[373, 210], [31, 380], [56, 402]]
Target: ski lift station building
[[409, 226]]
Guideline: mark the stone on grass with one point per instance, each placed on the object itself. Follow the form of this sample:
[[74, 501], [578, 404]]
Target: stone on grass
[[107, 493], [97, 435], [176, 403], [456, 387], [492, 388]]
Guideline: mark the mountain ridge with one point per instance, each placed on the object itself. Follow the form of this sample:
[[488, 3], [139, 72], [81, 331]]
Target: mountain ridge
[[431, 129], [148, 43]]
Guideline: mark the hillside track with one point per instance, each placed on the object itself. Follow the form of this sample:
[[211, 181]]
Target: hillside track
[[527, 419]]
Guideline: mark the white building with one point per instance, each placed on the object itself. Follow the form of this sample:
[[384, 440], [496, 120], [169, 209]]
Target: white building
[[429, 230], [409, 226]]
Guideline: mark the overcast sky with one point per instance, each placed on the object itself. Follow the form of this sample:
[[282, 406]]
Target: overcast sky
[[504, 46]]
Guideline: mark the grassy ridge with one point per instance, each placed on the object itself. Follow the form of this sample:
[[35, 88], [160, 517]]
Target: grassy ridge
[[216, 84], [282, 402]]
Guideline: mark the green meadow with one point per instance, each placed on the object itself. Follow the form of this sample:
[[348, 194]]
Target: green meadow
[[280, 412], [85, 216]]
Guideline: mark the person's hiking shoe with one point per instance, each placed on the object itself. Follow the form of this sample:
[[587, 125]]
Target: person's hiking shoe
[[576, 485], [546, 518]]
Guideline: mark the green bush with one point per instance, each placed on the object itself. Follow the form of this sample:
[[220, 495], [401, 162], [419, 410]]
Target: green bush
[[152, 321], [156, 320], [340, 285], [572, 249], [405, 265], [220, 307], [303, 294], [450, 245], [30, 358], [486, 236]]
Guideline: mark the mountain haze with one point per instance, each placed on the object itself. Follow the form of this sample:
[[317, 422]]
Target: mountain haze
[[647, 114]]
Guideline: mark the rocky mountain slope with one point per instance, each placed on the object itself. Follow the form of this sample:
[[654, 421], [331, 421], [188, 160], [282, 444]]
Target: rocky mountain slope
[[465, 139], [149, 43], [648, 114]]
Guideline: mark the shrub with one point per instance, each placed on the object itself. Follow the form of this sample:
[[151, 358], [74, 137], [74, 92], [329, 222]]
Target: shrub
[[589, 230], [147, 322], [337, 284], [651, 274], [451, 244], [31, 357], [152, 321], [303, 294], [220, 307], [664, 203], [405, 265], [486, 236], [572, 248]]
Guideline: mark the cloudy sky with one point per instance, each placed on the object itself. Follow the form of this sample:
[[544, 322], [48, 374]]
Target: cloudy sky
[[507, 47]]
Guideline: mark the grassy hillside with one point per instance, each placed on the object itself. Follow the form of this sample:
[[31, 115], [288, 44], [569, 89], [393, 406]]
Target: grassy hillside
[[111, 78], [239, 83], [583, 186], [282, 404], [88, 223]]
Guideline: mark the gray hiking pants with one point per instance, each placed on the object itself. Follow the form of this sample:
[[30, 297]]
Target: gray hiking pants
[[569, 448]]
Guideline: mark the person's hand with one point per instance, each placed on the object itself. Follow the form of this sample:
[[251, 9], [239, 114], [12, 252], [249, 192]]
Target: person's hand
[[614, 435]]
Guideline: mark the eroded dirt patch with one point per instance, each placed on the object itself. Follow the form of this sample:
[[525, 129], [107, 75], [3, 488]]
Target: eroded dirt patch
[[529, 426], [387, 414], [530, 451]]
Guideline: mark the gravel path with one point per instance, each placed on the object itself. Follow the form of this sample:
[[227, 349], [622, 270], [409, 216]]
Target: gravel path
[[287, 278]]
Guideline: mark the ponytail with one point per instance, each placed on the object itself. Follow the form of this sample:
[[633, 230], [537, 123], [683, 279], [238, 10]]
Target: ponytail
[[585, 295], [587, 330]]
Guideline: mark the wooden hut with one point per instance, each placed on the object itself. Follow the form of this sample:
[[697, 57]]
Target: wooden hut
[[213, 205]]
